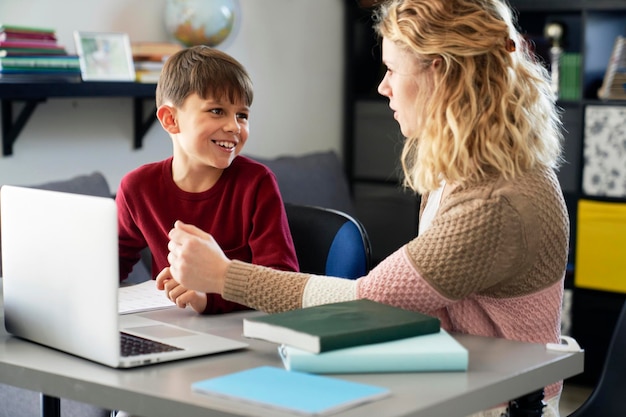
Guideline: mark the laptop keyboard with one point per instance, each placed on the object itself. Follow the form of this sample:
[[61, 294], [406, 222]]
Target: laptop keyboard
[[134, 345]]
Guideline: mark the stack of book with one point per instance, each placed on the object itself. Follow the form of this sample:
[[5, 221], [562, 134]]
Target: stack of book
[[359, 336], [149, 58], [614, 82], [32, 54]]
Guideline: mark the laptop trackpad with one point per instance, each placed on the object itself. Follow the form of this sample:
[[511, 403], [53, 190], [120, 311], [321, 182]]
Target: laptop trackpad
[[161, 331]]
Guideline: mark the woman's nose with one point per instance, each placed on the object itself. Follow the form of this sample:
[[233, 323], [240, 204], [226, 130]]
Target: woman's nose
[[383, 88]]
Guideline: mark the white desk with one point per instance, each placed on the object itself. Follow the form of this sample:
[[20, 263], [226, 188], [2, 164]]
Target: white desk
[[498, 371]]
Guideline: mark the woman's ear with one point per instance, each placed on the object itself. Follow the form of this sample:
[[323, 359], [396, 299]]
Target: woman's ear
[[167, 117]]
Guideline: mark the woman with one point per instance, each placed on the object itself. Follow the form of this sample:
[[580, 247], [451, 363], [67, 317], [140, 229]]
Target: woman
[[482, 143]]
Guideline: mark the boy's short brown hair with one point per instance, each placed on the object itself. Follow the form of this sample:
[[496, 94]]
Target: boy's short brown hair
[[205, 71]]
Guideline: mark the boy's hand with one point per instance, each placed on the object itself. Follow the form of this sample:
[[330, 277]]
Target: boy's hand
[[179, 295]]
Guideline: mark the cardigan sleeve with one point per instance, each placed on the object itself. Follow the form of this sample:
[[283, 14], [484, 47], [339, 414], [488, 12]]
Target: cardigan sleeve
[[264, 288]]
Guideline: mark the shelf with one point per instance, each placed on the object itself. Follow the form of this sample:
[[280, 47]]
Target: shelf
[[31, 94], [591, 27], [567, 5]]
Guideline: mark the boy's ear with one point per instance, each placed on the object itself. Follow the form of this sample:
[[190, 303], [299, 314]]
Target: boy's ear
[[167, 117]]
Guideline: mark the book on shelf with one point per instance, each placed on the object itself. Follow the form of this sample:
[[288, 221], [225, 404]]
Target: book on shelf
[[149, 65], [11, 51], [146, 76], [295, 392], [17, 36], [435, 352], [26, 32], [31, 78], [154, 51], [35, 71], [148, 71], [339, 325], [28, 44], [26, 41], [569, 77], [614, 82], [40, 61], [149, 58]]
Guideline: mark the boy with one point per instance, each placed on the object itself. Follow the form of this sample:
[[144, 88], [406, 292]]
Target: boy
[[203, 101]]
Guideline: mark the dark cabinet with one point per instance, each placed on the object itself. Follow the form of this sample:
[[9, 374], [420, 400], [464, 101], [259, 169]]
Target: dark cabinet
[[374, 142]]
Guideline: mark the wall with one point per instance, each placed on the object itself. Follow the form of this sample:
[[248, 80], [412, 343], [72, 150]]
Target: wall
[[293, 50]]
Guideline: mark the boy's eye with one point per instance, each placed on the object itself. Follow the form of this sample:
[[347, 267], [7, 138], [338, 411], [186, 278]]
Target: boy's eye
[[242, 116], [216, 111]]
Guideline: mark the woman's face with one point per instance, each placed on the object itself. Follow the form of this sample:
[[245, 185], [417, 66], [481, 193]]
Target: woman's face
[[405, 81]]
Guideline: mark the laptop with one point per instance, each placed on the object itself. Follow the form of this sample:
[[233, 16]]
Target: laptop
[[61, 279]]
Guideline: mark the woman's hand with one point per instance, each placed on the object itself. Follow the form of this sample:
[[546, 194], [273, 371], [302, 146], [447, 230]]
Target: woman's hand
[[196, 260]]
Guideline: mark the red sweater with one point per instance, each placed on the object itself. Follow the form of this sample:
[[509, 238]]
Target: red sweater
[[243, 211]]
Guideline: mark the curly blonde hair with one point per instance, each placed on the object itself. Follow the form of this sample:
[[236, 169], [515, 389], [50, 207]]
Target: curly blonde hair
[[491, 111]]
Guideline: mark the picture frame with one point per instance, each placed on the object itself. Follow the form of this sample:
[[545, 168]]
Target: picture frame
[[104, 56]]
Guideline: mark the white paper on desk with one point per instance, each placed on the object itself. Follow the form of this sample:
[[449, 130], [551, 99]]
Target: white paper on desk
[[142, 297]]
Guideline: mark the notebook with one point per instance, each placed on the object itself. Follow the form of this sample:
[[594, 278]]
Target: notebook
[[300, 393], [61, 280], [142, 297]]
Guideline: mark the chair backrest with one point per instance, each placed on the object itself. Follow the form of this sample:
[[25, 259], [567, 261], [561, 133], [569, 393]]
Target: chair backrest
[[329, 242], [607, 398]]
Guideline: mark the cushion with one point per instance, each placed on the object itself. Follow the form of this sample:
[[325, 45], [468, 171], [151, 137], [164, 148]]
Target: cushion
[[315, 179], [92, 184]]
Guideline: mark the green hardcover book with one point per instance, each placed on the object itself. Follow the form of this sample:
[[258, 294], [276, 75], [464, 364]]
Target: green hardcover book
[[25, 29], [340, 325], [59, 50]]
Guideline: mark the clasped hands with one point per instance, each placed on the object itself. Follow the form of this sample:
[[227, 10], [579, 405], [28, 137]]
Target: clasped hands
[[197, 266]]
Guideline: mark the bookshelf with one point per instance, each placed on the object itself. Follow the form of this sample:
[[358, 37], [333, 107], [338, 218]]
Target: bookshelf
[[20, 99], [591, 27], [373, 143]]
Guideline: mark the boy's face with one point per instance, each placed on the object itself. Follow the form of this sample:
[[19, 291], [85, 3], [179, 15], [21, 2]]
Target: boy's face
[[211, 132]]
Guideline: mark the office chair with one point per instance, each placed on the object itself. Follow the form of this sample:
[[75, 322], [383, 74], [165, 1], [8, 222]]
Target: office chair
[[329, 242], [607, 397]]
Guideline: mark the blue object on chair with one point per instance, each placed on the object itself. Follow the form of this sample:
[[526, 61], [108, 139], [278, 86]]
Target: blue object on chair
[[607, 397], [329, 242]]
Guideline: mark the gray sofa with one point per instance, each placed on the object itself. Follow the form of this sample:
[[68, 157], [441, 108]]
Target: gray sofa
[[313, 179]]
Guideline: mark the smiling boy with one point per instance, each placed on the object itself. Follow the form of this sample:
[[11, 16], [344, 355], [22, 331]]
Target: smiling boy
[[203, 102]]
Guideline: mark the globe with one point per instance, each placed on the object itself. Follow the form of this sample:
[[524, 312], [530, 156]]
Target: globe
[[200, 22]]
